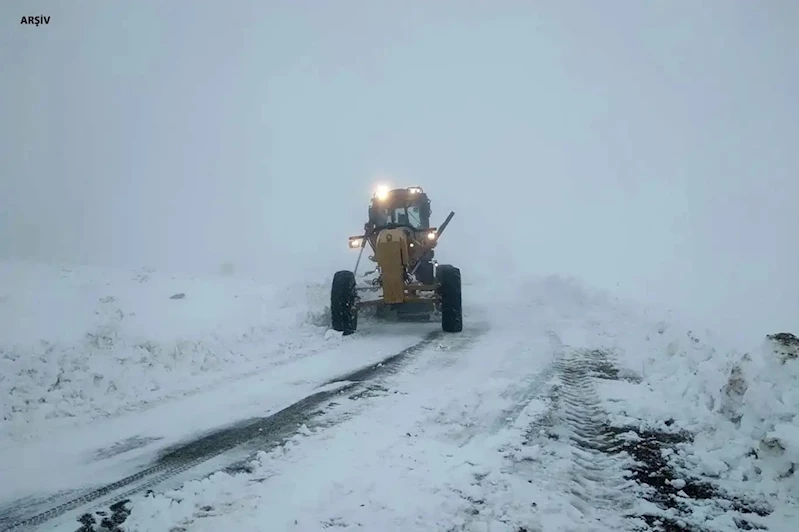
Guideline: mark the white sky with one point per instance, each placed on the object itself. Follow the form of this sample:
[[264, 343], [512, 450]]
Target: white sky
[[650, 148]]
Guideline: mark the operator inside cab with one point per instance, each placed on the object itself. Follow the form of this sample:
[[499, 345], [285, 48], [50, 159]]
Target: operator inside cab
[[378, 218], [398, 209]]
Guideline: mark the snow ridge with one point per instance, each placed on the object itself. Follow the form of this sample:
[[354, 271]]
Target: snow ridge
[[81, 343]]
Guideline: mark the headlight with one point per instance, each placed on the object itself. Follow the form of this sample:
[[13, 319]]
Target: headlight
[[382, 192], [431, 235], [355, 242]]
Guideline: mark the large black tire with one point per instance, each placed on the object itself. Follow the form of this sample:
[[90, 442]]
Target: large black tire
[[343, 308], [449, 279]]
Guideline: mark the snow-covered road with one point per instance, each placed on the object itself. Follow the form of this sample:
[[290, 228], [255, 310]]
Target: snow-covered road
[[556, 409], [403, 453], [105, 451]]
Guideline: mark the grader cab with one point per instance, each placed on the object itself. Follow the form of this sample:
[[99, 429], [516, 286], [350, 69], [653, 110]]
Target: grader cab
[[407, 281]]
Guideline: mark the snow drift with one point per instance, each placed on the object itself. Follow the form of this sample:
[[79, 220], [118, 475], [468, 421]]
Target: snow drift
[[81, 342], [739, 402]]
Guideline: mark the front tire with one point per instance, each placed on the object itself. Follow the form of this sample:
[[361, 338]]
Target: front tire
[[343, 303], [449, 279]]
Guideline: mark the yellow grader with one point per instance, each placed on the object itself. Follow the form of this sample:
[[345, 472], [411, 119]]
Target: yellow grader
[[408, 282]]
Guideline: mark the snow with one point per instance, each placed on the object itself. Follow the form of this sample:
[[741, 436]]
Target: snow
[[417, 459], [479, 431], [741, 402], [232, 349], [81, 343]]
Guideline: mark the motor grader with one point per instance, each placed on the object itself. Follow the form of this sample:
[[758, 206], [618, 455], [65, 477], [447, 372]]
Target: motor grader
[[406, 281]]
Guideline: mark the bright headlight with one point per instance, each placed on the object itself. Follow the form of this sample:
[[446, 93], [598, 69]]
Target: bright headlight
[[381, 193], [431, 235], [355, 243]]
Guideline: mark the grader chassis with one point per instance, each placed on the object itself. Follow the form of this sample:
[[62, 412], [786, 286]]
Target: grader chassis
[[409, 282]]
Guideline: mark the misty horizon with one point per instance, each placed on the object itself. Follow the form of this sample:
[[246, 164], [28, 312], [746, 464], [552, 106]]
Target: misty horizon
[[645, 149]]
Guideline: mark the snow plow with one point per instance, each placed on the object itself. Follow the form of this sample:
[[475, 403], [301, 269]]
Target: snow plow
[[407, 282]]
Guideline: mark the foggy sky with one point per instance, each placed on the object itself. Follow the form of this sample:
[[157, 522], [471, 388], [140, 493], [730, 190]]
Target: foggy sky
[[649, 148]]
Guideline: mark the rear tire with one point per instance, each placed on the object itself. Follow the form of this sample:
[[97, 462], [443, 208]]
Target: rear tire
[[343, 299], [449, 279]]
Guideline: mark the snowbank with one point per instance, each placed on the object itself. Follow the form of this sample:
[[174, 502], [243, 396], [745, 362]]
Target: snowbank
[[761, 402], [81, 342], [739, 402]]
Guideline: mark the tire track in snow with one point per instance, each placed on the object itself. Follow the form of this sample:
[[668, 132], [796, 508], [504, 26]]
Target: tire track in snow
[[267, 431], [597, 479], [615, 469], [519, 394], [563, 451], [532, 387]]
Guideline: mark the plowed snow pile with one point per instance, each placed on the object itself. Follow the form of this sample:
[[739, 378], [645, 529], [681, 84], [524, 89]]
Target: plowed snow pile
[[80, 343], [730, 412]]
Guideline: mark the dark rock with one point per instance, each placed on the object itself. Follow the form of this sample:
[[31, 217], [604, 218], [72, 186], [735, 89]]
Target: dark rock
[[786, 346]]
